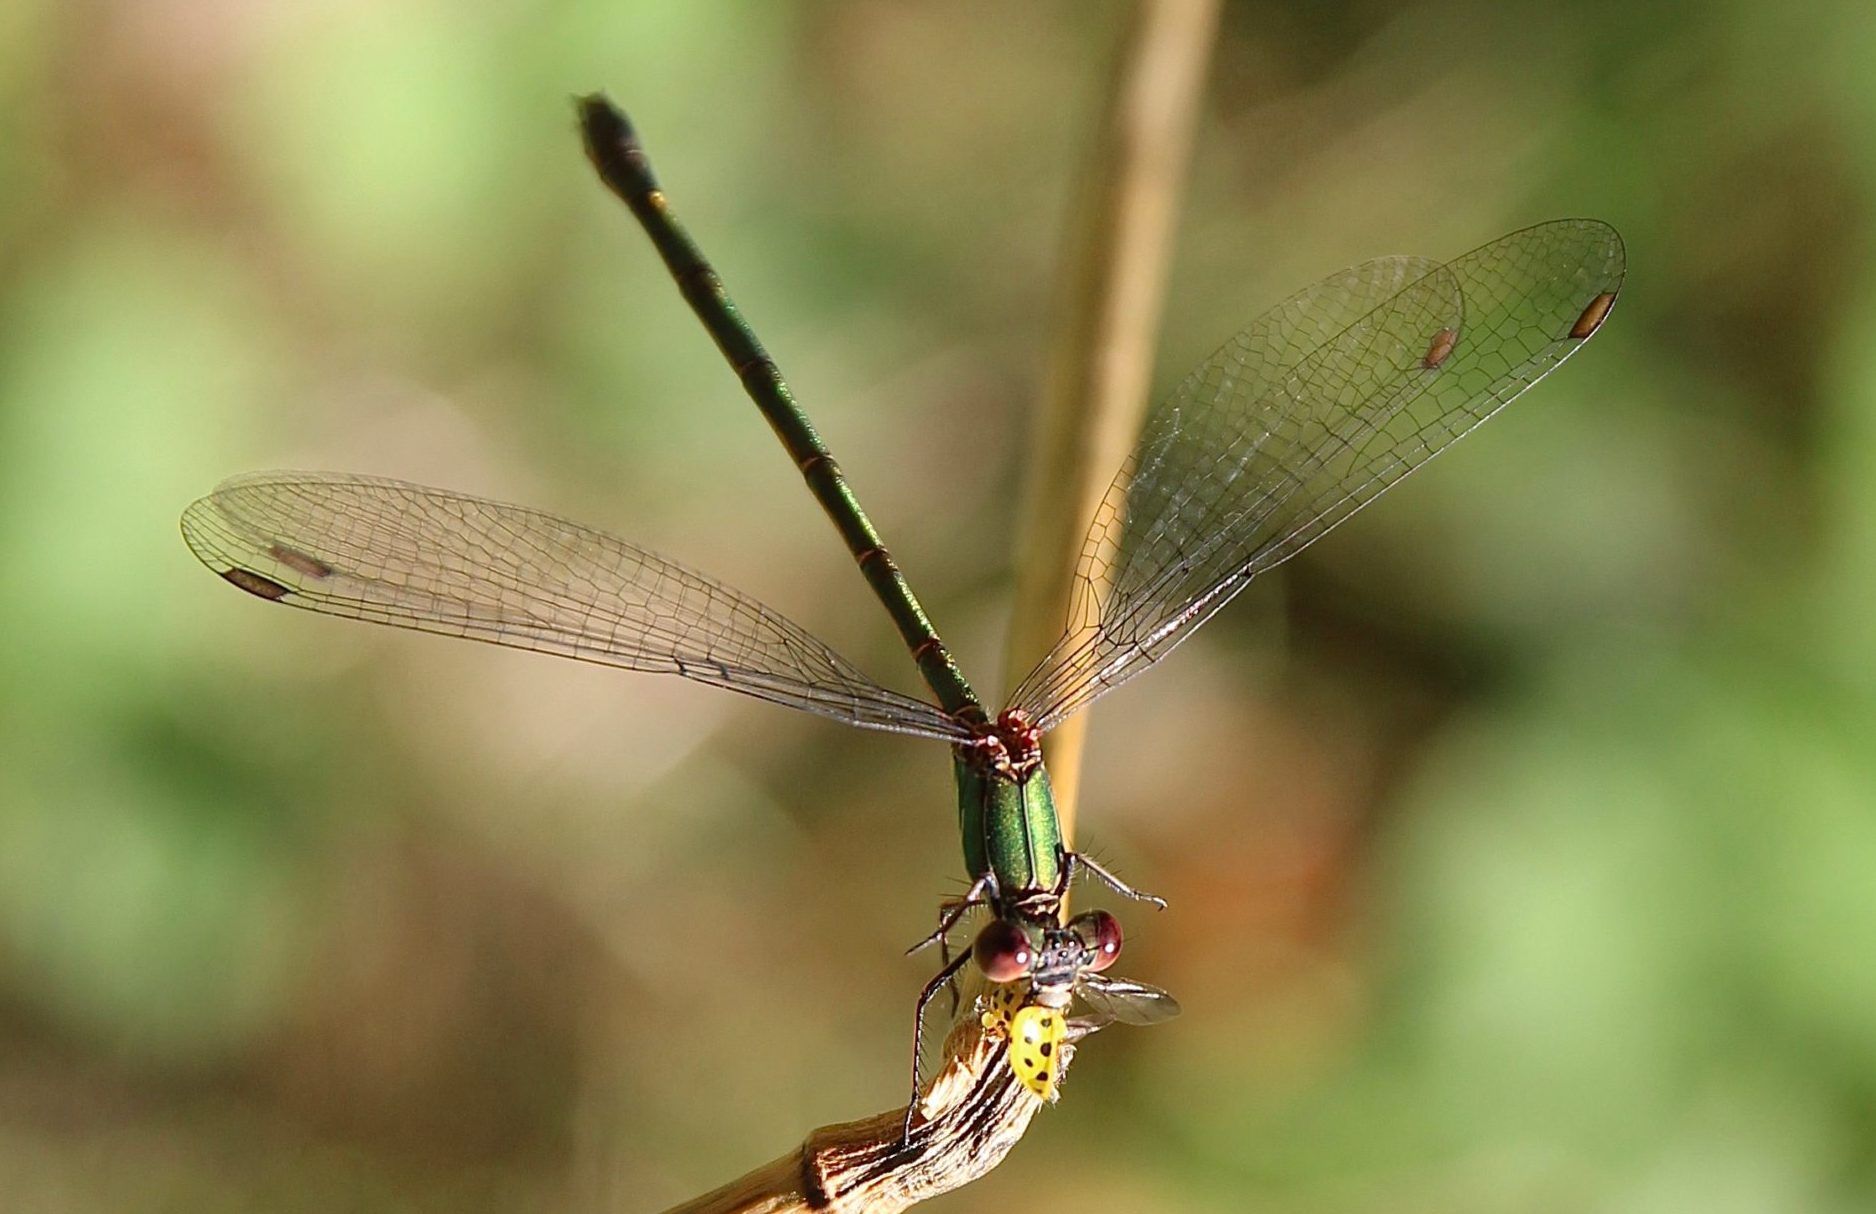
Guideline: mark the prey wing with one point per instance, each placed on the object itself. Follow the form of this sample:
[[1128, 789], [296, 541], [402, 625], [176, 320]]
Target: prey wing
[[1126, 1001]]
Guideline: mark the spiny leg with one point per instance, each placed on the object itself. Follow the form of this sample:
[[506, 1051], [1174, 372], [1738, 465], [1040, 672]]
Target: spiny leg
[[947, 916], [1074, 859], [918, 1033], [950, 910]]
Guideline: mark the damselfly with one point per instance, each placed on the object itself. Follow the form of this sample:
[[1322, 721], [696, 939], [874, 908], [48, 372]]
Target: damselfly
[[1312, 412]]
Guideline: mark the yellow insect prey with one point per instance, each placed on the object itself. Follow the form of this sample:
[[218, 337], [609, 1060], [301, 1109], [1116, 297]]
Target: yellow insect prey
[[1036, 1035]]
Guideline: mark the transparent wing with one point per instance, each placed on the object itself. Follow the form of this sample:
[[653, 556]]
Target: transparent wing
[[1125, 1000], [400, 554], [1301, 420]]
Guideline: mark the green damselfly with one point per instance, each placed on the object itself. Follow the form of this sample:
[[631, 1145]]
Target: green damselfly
[[1299, 421]]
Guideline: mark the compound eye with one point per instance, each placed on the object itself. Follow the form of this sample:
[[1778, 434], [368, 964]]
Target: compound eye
[[1003, 951], [1100, 933]]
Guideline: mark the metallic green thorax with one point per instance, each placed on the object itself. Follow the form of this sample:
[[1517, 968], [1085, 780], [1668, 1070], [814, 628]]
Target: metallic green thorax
[[1009, 827]]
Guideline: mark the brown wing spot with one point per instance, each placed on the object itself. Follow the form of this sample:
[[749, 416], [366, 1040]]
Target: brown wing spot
[[255, 584], [1592, 316], [299, 561], [1440, 348]]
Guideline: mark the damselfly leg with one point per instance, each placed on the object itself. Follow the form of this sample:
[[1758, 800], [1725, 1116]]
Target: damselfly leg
[[952, 909], [937, 983], [1071, 860]]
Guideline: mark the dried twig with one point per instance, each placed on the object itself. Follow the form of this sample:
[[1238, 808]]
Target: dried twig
[[972, 1114], [1115, 282]]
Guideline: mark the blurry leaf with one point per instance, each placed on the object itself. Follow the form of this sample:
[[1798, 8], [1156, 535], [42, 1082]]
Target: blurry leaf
[[1847, 573], [1553, 926], [129, 369], [145, 907], [393, 188]]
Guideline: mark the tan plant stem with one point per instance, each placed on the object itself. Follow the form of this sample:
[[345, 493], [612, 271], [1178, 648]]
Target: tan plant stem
[[1114, 278], [972, 1114]]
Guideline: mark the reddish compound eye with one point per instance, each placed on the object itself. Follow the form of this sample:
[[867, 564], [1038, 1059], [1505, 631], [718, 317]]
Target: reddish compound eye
[[1003, 951], [1101, 933]]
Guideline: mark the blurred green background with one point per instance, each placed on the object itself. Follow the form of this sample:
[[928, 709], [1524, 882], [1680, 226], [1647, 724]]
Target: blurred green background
[[1521, 838]]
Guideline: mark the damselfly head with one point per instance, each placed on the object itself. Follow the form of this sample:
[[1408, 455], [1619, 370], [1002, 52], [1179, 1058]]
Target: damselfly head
[[1006, 950], [1049, 954], [1100, 935], [1087, 943]]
